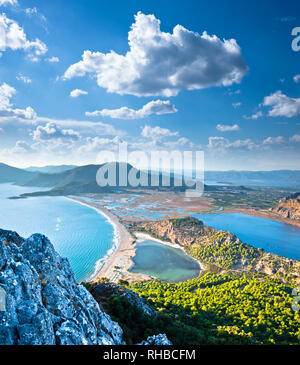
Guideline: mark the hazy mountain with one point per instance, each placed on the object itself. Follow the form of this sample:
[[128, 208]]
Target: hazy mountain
[[83, 180], [13, 174], [50, 169], [77, 176], [267, 178]]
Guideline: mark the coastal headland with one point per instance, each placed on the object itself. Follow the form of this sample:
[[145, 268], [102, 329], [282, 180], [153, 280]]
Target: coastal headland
[[127, 234]]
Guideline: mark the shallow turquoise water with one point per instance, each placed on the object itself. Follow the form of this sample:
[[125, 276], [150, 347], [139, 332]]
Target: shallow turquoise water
[[84, 236], [275, 237], [164, 262], [76, 231]]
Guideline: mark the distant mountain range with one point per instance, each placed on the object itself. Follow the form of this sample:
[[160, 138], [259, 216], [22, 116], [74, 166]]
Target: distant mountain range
[[50, 169], [83, 180], [67, 179], [13, 174], [284, 178]]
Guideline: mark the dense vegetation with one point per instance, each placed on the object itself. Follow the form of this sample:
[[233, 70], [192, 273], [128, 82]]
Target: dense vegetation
[[245, 297], [207, 244], [224, 250], [220, 309]]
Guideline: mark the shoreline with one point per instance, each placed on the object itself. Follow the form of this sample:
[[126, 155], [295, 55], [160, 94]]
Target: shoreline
[[117, 262], [144, 236], [262, 214], [100, 262]]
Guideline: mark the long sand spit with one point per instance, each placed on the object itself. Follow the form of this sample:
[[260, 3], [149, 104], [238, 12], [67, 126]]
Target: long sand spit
[[117, 262]]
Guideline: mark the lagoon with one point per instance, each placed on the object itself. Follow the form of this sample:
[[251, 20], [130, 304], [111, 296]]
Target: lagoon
[[86, 237], [164, 262]]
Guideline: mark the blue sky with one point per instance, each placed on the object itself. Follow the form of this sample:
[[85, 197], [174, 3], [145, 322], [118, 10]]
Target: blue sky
[[236, 96]]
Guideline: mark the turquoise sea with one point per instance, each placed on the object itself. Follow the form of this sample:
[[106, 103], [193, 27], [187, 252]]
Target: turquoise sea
[[77, 232], [86, 237]]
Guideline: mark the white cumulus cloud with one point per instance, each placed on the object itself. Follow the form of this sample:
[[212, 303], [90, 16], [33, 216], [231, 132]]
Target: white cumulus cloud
[[8, 2], [295, 138], [157, 132], [52, 59], [153, 107], [25, 79], [228, 128], [160, 63], [282, 105], [254, 116], [6, 110], [296, 79], [94, 144], [222, 144], [77, 92], [13, 37], [274, 140], [53, 132]]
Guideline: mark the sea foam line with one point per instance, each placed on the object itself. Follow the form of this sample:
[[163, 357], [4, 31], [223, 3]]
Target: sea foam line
[[116, 239]]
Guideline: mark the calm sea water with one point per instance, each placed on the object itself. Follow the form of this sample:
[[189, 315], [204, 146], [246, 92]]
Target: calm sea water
[[85, 237], [164, 262], [275, 237], [76, 231]]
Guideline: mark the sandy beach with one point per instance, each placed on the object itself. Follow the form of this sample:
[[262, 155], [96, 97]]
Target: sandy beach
[[119, 262]]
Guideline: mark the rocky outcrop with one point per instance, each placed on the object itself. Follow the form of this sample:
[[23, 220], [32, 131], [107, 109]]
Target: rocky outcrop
[[44, 304], [41, 303], [288, 207], [179, 231], [158, 340], [102, 291]]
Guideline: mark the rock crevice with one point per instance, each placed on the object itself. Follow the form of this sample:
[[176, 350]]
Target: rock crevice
[[44, 304]]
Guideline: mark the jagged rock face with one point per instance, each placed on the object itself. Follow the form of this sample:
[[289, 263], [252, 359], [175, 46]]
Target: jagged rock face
[[156, 341], [44, 304], [289, 207]]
